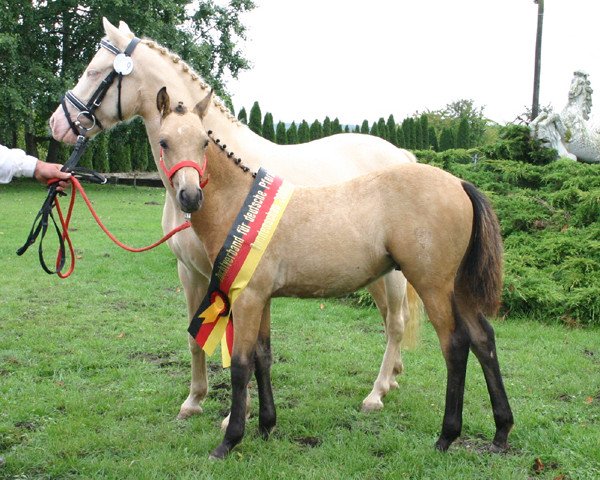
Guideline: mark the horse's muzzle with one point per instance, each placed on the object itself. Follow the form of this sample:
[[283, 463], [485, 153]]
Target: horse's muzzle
[[190, 199]]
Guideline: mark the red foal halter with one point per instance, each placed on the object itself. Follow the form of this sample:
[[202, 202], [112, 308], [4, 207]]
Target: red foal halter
[[183, 164]]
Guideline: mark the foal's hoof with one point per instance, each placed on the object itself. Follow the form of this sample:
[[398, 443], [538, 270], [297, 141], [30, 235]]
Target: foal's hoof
[[443, 444], [219, 453], [495, 448]]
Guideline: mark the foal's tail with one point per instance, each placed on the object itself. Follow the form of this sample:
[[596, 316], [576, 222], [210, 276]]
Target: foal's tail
[[480, 275]]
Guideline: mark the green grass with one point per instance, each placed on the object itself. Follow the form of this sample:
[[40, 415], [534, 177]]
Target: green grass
[[93, 370]]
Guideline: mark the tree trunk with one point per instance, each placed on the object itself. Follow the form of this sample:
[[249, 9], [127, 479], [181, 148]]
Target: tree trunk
[[535, 107]]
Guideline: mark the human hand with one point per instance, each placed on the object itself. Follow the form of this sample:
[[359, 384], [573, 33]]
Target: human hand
[[47, 171]]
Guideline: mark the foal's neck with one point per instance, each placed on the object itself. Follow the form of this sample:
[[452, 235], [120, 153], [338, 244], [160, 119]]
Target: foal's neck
[[224, 194]]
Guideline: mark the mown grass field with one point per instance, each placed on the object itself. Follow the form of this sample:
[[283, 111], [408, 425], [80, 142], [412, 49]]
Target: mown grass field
[[93, 370]]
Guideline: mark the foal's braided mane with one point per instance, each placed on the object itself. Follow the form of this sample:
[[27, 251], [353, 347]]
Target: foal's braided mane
[[177, 60], [230, 155]]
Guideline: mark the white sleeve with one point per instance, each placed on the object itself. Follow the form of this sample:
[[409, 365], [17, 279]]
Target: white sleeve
[[15, 163]]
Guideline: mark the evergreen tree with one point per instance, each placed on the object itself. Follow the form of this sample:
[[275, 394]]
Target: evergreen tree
[[392, 130], [316, 130], [100, 153], [243, 116], [139, 146], [268, 131], [356, 129], [382, 129], [303, 132], [433, 141], [255, 122], [374, 130], [462, 135], [424, 125], [335, 126], [418, 135], [119, 150], [347, 128], [292, 134], [327, 127], [280, 134], [447, 139], [364, 128], [400, 142]]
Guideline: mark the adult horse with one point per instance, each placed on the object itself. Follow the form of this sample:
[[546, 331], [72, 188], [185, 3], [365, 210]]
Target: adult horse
[[321, 162], [439, 230]]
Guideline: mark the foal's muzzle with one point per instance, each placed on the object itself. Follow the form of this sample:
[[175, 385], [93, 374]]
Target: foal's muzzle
[[190, 199]]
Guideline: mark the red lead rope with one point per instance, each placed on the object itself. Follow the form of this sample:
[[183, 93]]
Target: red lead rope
[[65, 226]]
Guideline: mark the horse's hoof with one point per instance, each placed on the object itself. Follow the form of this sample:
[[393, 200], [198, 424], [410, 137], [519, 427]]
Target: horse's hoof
[[187, 412], [371, 406]]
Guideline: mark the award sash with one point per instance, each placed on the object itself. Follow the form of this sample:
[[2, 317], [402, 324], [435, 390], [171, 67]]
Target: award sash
[[237, 260]]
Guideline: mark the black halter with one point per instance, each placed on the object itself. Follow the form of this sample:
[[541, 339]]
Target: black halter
[[87, 109], [44, 216]]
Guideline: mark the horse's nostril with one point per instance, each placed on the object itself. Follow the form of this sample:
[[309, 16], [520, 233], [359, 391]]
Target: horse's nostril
[[190, 201]]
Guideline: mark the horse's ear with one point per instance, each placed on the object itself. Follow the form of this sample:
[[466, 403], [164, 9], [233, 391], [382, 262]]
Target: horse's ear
[[115, 36], [123, 27], [201, 107], [163, 103]]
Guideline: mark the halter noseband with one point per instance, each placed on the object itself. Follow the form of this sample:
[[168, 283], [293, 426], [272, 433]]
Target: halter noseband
[[170, 173], [121, 66]]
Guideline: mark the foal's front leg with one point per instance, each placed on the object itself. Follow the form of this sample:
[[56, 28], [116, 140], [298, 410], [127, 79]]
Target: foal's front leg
[[246, 323]]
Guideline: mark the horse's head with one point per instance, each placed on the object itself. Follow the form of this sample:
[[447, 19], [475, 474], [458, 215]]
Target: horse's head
[[183, 142], [118, 101], [580, 93]]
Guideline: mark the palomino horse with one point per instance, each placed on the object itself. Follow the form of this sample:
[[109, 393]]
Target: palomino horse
[[322, 162], [439, 230]]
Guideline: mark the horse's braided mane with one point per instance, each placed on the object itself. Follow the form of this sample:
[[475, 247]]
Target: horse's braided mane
[[186, 68]]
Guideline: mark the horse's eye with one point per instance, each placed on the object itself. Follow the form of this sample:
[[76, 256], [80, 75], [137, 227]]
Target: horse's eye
[[163, 144]]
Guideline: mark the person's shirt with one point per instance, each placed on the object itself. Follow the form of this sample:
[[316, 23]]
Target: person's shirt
[[15, 163]]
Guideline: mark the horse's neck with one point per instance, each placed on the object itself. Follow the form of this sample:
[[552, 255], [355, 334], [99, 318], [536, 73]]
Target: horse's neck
[[576, 109], [224, 196], [160, 70]]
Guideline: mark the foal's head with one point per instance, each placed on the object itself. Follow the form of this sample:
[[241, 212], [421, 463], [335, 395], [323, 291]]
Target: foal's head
[[183, 142]]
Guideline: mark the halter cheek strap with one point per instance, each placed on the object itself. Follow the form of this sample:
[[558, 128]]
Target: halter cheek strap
[[170, 173]]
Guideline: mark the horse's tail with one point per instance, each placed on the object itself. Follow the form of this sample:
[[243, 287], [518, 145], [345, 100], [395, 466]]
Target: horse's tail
[[479, 278], [412, 328]]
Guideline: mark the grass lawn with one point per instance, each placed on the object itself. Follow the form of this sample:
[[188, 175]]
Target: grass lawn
[[93, 370]]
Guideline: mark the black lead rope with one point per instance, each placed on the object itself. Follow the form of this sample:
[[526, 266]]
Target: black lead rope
[[43, 217]]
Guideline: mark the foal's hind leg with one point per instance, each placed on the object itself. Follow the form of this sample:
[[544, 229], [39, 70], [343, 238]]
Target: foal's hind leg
[[454, 341], [483, 345], [391, 299]]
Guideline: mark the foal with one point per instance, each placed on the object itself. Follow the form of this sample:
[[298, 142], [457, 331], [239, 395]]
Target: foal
[[440, 231]]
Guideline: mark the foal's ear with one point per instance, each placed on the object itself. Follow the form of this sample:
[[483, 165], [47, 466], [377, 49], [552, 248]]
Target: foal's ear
[[202, 106], [163, 102]]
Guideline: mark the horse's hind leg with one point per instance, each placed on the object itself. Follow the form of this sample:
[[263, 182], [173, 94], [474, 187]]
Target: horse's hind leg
[[391, 300], [483, 345], [194, 286]]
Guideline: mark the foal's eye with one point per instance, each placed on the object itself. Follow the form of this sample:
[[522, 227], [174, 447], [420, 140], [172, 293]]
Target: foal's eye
[[163, 144]]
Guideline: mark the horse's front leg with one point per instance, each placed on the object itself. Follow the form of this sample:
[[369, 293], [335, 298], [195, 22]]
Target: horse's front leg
[[246, 323], [194, 286]]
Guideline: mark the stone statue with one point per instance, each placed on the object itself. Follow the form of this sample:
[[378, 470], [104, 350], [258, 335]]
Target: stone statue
[[570, 133]]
